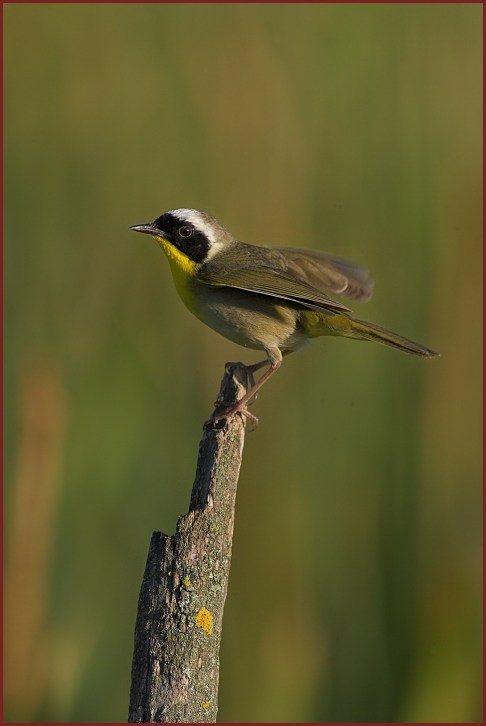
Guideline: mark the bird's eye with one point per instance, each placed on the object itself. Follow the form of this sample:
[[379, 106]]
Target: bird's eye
[[186, 230]]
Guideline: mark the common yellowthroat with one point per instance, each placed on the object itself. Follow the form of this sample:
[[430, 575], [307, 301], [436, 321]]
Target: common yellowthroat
[[267, 298]]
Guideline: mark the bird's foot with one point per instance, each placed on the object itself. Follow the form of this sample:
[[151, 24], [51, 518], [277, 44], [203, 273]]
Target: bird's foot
[[230, 409], [225, 409]]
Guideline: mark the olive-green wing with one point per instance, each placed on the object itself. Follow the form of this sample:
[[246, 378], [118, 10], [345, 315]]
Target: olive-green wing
[[299, 276], [328, 272]]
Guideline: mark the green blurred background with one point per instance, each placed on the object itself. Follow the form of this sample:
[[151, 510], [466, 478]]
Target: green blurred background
[[355, 590]]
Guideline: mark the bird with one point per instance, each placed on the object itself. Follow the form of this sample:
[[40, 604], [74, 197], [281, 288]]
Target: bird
[[273, 299]]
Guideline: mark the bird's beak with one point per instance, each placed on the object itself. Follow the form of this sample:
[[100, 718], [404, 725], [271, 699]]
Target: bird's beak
[[146, 229]]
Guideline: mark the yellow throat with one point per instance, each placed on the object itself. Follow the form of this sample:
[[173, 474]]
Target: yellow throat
[[182, 267]]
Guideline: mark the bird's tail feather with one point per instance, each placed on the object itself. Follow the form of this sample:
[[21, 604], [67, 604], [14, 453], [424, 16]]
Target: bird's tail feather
[[368, 331]]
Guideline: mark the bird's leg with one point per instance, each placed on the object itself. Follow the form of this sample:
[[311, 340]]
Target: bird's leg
[[251, 369], [254, 367], [275, 360]]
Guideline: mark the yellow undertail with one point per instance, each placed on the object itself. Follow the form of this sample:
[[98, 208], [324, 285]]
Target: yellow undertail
[[317, 324]]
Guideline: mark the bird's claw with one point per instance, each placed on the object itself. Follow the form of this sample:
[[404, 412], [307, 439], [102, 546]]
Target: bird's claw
[[230, 409]]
